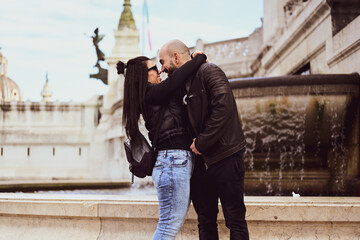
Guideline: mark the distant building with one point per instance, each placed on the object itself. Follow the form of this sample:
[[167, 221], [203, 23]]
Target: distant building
[[43, 139], [68, 140]]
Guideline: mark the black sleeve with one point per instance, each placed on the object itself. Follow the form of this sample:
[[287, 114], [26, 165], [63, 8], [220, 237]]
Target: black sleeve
[[158, 93]]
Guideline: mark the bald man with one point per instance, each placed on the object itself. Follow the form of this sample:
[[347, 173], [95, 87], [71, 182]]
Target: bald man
[[219, 144]]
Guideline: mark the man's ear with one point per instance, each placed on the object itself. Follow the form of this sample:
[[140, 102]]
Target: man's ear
[[176, 58]]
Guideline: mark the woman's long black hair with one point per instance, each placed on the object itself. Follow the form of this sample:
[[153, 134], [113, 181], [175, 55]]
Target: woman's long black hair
[[136, 81]]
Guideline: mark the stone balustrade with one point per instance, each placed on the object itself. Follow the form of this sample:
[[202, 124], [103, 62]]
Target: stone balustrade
[[234, 56], [54, 216]]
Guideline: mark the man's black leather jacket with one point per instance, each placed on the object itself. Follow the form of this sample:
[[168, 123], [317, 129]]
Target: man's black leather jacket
[[213, 115]]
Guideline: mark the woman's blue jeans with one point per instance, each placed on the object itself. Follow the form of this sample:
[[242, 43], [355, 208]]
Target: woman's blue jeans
[[171, 176]]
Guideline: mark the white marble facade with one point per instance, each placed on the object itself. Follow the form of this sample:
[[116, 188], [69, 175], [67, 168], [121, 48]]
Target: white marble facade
[[298, 34], [295, 34], [46, 140]]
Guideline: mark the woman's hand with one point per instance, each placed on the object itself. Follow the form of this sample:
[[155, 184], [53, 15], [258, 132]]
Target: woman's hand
[[193, 148], [197, 53]]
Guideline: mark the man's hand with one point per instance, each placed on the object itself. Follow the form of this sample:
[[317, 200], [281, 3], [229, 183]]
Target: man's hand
[[193, 148]]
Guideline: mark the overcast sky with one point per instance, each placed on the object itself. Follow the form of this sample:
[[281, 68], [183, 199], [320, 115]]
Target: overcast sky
[[40, 36]]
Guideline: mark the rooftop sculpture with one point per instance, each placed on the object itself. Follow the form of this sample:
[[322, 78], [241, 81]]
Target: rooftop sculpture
[[102, 72]]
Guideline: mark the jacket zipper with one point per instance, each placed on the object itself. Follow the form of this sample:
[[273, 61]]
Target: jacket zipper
[[188, 85], [206, 166]]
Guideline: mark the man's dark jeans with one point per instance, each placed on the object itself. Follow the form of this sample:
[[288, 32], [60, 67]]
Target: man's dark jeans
[[224, 180]]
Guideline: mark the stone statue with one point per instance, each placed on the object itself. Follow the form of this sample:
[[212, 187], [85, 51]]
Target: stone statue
[[96, 39], [102, 74]]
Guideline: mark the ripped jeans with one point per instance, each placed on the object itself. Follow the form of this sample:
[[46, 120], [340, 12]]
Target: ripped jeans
[[171, 176]]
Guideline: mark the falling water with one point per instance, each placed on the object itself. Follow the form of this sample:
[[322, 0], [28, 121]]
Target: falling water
[[296, 142], [274, 128]]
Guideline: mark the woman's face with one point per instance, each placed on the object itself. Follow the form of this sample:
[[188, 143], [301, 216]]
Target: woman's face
[[153, 73]]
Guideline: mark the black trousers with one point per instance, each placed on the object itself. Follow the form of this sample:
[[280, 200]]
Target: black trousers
[[225, 181]]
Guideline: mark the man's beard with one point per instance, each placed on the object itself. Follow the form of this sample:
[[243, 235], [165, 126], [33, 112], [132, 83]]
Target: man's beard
[[171, 68]]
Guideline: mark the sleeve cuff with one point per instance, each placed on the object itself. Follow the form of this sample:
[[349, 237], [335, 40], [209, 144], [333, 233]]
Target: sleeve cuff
[[198, 146]]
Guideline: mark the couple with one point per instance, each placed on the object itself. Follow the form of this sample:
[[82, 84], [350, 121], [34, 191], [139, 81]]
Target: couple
[[200, 116]]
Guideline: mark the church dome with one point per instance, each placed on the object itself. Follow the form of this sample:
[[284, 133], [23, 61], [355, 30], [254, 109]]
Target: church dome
[[9, 90]]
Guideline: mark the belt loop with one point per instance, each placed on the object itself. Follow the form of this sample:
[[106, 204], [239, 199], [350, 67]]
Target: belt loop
[[165, 154]]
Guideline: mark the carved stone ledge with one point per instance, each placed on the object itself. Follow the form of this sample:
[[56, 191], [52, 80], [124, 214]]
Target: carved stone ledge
[[292, 7], [342, 45], [309, 18]]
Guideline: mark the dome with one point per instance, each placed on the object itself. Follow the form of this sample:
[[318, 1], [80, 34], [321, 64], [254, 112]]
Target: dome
[[9, 90]]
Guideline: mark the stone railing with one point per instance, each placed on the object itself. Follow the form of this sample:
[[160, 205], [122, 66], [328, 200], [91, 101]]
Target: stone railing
[[100, 217], [225, 51], [233, 56]]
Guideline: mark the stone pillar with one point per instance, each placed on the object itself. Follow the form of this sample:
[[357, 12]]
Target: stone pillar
[[126, 46], [126, 42], [199, 45]]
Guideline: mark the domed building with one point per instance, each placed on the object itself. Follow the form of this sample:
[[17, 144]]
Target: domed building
[[9, 90]]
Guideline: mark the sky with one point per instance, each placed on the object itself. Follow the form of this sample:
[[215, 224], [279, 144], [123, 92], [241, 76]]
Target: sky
[[52, 37]]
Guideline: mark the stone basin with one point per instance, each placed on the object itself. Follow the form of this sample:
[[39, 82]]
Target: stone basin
[[302, 134]]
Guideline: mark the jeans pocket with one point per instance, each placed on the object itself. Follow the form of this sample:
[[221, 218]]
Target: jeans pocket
[[156, 175], [179, 161], [158, 164]]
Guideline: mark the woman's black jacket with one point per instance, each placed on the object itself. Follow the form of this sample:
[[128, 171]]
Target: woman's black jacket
[[169, 93]]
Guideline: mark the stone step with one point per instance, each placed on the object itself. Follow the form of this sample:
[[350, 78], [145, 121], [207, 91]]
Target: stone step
[[34, 185], [95, 217]]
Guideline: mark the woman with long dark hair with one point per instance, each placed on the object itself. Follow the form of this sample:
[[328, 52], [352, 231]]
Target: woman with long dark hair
[[145, 94]]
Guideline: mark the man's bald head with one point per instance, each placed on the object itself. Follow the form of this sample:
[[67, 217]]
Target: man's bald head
[[177, 46], [173, 55]]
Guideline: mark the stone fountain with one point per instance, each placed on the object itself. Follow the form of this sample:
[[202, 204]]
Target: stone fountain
[[302, 134]]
